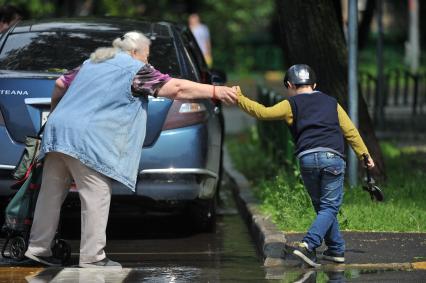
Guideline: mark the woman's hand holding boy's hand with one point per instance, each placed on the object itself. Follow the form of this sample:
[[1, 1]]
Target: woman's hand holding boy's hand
[[239, 92], [228, 95]]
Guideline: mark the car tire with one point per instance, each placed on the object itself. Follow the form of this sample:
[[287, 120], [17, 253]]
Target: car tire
[[17, 248], [203, 215]]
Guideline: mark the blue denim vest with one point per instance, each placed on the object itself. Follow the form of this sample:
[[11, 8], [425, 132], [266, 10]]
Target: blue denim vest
[[99, 122]]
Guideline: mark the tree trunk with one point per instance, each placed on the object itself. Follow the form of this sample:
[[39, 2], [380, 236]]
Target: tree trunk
[[364, 26], [312, 35], [337, 4]]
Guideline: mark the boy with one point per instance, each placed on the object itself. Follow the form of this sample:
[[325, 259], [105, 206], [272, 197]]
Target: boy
[[318, 125]]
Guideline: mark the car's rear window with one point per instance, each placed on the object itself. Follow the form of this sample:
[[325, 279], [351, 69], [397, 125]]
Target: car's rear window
[[59, 51]]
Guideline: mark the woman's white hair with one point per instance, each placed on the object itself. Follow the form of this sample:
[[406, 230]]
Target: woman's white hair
[[132, 40]]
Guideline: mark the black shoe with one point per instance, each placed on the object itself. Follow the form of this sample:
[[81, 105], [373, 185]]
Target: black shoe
[[105, 263], [333, 256], [46, 260], [300, 249]]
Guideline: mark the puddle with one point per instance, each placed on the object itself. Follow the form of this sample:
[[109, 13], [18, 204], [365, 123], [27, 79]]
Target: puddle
[[194, 274]]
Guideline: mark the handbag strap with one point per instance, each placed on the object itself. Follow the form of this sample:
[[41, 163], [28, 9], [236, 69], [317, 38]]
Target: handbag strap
[[41, 131]]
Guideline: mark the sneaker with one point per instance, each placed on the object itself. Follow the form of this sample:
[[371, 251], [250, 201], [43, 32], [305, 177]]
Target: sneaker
[[46, 260], [333, 256], [104, 263], [300, 249]]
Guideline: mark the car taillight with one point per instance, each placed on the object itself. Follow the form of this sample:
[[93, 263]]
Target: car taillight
[[184, 113]]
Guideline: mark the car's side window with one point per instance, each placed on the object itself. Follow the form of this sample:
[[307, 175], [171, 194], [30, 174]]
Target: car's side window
[[196, 54], [194, 70]]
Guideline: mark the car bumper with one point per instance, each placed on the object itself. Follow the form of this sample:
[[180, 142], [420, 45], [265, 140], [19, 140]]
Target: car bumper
[[172, 184], [166, 173]]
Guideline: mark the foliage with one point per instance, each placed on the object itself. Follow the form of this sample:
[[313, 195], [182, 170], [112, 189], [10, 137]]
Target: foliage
[[237, 27], [284, 198], [393, 56], [404, 208], [240, 21], [248, 145], [36, 8], [241, 31], [390, 150]]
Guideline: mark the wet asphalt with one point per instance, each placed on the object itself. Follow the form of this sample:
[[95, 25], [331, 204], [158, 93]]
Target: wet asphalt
[[165, 248], [158, 247], [379, 248]]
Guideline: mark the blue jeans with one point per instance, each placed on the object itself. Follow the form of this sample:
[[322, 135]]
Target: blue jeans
[[323, 175]]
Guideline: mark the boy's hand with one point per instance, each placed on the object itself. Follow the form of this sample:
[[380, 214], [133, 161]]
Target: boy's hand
[[238, 89], [370, 162], [226, 94]]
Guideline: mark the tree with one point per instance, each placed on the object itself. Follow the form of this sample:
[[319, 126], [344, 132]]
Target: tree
[[365, 24], [311, 34]]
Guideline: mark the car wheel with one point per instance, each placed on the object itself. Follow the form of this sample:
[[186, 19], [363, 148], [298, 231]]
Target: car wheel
[[18, 246], [203, 215]]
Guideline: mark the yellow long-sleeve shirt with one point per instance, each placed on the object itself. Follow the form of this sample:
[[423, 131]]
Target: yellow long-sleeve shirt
[[282, 111]]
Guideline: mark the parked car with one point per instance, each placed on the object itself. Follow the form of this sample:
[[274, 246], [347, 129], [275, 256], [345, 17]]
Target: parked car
[[181, 157]]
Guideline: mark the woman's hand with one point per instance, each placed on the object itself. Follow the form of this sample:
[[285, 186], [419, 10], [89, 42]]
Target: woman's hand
[[228, 95], [185, 89]]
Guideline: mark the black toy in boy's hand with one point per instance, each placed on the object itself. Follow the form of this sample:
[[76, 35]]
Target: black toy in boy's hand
[[374, 191]]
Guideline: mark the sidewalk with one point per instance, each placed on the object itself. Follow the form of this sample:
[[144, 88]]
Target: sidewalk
[[364, 250], [380, 247]]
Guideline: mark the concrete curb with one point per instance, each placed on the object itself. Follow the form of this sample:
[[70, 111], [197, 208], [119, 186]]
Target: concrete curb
[[269, 239]]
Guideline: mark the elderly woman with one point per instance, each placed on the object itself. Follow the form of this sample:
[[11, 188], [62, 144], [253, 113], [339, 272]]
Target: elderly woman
[[95, 135]]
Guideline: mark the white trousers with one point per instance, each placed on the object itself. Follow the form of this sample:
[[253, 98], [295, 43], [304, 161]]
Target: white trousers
[[94, 190]]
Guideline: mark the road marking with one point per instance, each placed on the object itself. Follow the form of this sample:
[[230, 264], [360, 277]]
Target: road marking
[[5, 272], [421, 265], [381, 266], [19, 268]]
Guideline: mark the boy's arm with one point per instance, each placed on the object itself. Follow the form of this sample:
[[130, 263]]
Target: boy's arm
[[350, 133], [279, 111]]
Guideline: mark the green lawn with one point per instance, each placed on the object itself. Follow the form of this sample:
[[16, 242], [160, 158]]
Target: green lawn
[[283, 196]]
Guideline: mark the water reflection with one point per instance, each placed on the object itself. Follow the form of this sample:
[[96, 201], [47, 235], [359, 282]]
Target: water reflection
[[337, 274], [86, 275], [176, 274], [79, 275], [307, 276]]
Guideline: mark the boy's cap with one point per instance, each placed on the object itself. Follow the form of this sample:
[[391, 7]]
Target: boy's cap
[[300, 74]]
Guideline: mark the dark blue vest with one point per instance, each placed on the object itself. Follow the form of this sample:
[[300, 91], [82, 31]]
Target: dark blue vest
[[316, 123]]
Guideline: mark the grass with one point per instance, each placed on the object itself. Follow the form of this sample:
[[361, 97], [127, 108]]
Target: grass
[[284, 199]]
